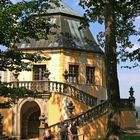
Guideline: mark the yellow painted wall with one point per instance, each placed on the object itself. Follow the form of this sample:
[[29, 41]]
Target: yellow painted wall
[[7, 121], [58, 62], [95, 129], [7, 118], [128, 119], [55, 113]]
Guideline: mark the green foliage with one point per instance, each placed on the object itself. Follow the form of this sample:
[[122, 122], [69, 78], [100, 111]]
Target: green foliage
[[18, 23], [23, 20], [125, 13], [118, 18], [131, 137], [19, 61], [12, 94]]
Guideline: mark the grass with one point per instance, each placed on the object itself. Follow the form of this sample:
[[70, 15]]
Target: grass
[[127, 137], [131, 137]]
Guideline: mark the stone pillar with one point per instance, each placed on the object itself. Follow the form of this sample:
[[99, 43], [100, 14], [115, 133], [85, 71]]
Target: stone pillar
[[132, 108], [42, 119]]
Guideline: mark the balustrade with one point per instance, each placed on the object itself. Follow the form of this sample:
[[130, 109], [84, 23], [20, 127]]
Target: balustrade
[[85, 117], [46, 86], [69, 90], [127, 104], [59, 87]]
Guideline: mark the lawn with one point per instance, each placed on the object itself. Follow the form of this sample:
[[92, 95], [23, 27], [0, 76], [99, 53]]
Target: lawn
[[131, 137]]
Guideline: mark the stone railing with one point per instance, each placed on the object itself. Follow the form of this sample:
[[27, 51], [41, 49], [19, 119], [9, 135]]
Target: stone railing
[[85, 117], [44, 87], [69, 90], [127, 104], [93, 113]]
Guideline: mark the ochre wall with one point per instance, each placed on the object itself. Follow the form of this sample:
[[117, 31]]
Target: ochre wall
[[55, 112], [7, 118], [59, 61], [128, 119], [94, 130]]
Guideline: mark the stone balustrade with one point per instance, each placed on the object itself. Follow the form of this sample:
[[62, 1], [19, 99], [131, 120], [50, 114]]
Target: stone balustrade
[[43, 87]]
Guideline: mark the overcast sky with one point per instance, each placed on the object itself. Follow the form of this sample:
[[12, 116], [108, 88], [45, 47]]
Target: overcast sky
[[127, 78]]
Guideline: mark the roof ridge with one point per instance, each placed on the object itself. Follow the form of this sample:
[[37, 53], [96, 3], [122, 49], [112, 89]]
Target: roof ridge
[[63, 8]]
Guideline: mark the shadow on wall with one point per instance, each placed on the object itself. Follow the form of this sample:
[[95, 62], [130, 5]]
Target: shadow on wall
[[94, 130]]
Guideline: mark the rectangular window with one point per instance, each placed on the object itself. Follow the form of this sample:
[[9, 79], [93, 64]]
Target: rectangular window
[[38, 72], [90, 75], [73, 73]]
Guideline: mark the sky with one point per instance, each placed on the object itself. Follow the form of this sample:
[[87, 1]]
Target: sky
[[127, 77]]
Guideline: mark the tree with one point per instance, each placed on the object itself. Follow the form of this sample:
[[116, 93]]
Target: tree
[[118, 17], [19, 22]]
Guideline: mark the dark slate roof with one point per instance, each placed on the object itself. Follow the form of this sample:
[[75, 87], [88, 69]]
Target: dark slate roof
[[68, 34], [62, 8]]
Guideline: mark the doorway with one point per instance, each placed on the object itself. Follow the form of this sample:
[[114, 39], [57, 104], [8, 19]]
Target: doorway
[[30, 113]]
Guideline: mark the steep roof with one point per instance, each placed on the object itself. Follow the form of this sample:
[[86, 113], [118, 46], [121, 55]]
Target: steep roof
[[62, 8], [68, 35]]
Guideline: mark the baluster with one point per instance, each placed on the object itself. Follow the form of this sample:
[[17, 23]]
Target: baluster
[[31, 85], [36, 86], [56, 86], [76, 91], [65, 88], [87, 101], [40, 85], [75, 95], [53, 86], [71, 91], [84, 98], [92, 102], [27, 86], [85, 118], [80, 119], [21, 84], [60, 87], [90, 115], [78, 96]]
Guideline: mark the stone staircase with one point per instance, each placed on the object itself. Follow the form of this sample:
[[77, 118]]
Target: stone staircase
[[46, 88]]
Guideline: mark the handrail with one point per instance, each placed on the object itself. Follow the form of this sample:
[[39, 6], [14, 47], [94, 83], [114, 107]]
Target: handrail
[[87, 116], [66, 89], [127, 104], [69, 90]]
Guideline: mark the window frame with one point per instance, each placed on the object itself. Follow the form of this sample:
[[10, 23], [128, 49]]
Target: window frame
[[39, 75], [90, 75], [73, 73]]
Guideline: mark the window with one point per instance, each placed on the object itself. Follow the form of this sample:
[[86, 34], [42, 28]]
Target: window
[[90, 75], [73, 73], [38, 72]]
